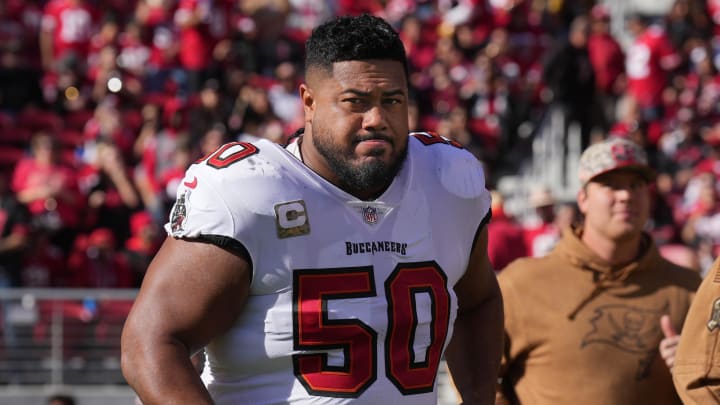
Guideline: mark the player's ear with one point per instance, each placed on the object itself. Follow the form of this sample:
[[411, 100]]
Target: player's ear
[[308, 101]]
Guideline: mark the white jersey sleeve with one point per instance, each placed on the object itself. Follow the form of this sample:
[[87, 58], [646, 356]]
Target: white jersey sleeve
[[208, 206]]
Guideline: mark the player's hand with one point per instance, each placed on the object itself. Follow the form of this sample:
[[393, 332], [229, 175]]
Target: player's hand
[[668, 346]]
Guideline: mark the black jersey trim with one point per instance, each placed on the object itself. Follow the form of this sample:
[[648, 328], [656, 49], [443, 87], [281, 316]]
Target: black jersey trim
[[228, 244], [483, 223]]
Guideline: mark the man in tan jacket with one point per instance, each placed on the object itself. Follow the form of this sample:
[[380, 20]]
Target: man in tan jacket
[[583, 324], [697, 365]]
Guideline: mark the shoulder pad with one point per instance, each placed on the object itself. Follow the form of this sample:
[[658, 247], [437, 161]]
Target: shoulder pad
[[248, 175], [458, 171]]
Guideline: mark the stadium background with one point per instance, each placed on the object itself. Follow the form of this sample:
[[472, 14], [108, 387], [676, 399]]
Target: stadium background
[[103, 104]]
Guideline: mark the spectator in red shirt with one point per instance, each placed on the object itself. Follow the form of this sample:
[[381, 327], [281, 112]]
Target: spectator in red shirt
[[192, 19], [156, 20], [49, 189], [505, 236], [97, 263], [134, 54], [170, 178], [67, 27], [650, 60], [420, 51], [608, 62], [105, 35], [142, 245]]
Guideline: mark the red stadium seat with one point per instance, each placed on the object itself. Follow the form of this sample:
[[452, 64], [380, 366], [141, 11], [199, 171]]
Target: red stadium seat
[[39, 120], [70, 138], [76, 120], [132, 119], [15, 136], [9, 156]]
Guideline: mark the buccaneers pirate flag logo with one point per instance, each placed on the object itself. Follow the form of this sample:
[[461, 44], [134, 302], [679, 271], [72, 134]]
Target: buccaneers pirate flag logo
[[631, 329], [179, 214]]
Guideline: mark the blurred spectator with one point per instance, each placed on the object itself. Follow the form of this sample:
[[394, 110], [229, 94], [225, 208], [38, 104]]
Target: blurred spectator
[[488, 98], [687, 19], [14, 230], [505, 235], [454, 126], [542, 235], [608, 62], [107, 125], [44, 263], [65, 88], [145, 239], [157, 143], [49, 189], [67, 27], [681, 255], [258, 118], [703, 221], [193, 21], [212, 110], [271, 41], [21, 29], [304, 15], [284, 96], [418, 47], [568, 73], [106, 35], [650, 59], [96, 263], [150, 125], [19, 81], [107, 184], [182, 156], [105, 76], [662, 225], [134, 54], [156, 18], [212, 140]]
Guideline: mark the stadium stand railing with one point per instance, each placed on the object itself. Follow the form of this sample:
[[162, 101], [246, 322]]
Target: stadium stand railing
[[60, 337]]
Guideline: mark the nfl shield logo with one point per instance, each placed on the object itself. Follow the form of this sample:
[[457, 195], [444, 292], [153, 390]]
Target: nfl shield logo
[[370, 214]]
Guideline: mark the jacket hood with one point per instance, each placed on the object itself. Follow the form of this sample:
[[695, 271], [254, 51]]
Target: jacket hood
[[606, 275]]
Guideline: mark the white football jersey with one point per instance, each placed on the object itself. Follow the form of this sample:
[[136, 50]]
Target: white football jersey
[[351, 301]]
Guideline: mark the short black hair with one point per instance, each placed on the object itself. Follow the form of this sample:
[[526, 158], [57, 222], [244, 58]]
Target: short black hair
[[349, 38]]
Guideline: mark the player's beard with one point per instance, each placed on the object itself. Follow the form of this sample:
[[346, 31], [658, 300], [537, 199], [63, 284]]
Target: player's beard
[[356, 178]]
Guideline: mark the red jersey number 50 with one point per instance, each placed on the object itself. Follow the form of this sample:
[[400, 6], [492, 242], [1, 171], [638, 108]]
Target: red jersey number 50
[[314, 331]]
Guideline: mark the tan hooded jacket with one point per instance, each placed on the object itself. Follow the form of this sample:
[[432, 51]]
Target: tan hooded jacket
[[579, 331], [697, 363]]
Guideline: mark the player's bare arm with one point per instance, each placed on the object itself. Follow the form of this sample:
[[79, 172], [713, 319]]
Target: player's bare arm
[[473, 355], [192, 292]]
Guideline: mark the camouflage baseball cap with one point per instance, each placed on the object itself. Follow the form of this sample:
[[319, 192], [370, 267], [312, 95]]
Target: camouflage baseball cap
[[613, 154]]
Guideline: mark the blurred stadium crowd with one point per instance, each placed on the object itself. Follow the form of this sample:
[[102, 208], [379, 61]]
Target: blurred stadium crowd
[[103, 105]]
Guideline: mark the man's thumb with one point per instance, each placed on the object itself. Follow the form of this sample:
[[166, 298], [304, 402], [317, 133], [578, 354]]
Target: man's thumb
[[667, 327]]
